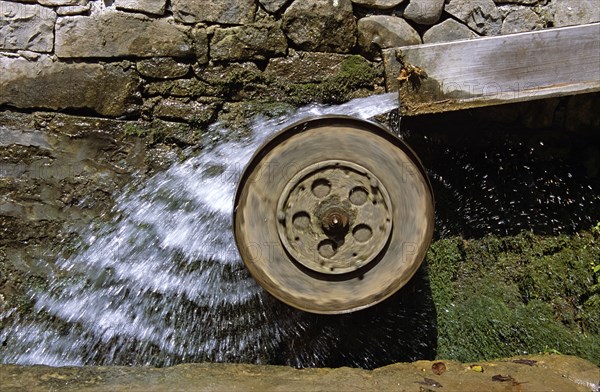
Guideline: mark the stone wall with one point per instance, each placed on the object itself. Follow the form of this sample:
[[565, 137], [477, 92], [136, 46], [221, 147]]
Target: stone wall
[[190, 60]]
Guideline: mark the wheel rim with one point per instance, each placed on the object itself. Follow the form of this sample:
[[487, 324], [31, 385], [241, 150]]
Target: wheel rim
[[333, 214]]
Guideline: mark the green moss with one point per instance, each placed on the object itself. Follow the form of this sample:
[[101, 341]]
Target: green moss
[[133, 129], [500, 297], [355, 73], [239, 116]]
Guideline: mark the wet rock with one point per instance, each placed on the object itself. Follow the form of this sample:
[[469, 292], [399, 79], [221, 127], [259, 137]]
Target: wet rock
[[378, 4], [305, 67], [171, 132], [321, 25], [155, 7], [521, 20], [180, 88], [448, 30], [425, 12], [575, 12], [480, 15], [200, 43], [382, 31], [214, 11], [273, 6], [186, 110], [26, 27], [162, 68], [253, 42], [235, 81], [119, 34], [106, 89], [69, 10]]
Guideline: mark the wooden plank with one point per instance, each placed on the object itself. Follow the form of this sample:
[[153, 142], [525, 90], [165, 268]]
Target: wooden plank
[[495, 70]]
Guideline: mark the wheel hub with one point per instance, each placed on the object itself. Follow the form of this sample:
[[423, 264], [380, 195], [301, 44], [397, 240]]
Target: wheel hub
[[334, 220]]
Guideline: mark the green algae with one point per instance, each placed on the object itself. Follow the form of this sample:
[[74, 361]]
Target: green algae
[[505, 296], [355, 73]]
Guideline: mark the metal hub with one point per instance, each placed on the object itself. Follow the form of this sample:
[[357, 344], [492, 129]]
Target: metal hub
[[333, 214], [334, 217]]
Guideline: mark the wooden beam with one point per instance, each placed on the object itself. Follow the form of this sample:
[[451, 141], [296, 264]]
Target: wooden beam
[[435, 78]]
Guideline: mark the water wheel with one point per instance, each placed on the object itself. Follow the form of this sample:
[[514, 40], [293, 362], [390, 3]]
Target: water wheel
[[333, 214]]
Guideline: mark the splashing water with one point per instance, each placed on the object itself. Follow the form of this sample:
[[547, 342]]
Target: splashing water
[[163, 282]]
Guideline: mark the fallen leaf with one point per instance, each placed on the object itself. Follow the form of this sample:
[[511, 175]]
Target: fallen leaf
[[438, 368], [476, 368]]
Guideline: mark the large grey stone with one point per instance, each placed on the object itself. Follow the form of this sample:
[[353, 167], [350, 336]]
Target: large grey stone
[[155, 7], [521, 20], [448, 30], [378, 4], [252, 42], [118, 34], [576, 12], [480, 15], [321, 25], [273, 6], [162, 68], [382, 31], [26, 27], [106, 89], [425, 12], [214, 11], [305, 67]]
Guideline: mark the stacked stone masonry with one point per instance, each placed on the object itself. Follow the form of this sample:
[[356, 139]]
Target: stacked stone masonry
[[187, 60]]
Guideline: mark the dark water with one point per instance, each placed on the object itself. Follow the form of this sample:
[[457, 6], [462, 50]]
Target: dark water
[[498, 179]]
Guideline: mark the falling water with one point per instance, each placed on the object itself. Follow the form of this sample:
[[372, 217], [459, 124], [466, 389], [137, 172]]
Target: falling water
[[162, 283]]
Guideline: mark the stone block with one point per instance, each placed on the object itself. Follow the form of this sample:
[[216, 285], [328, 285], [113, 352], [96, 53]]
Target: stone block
[[575, 12], [448, 30], [214, 11], [155, 7], [26, 27], [382, 31], [162, 68], [321, 25], [480, 15], [521, 20], [119, 34], [425, 12], [253, 42], [184, 110], [305, 67], [108, 90]]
